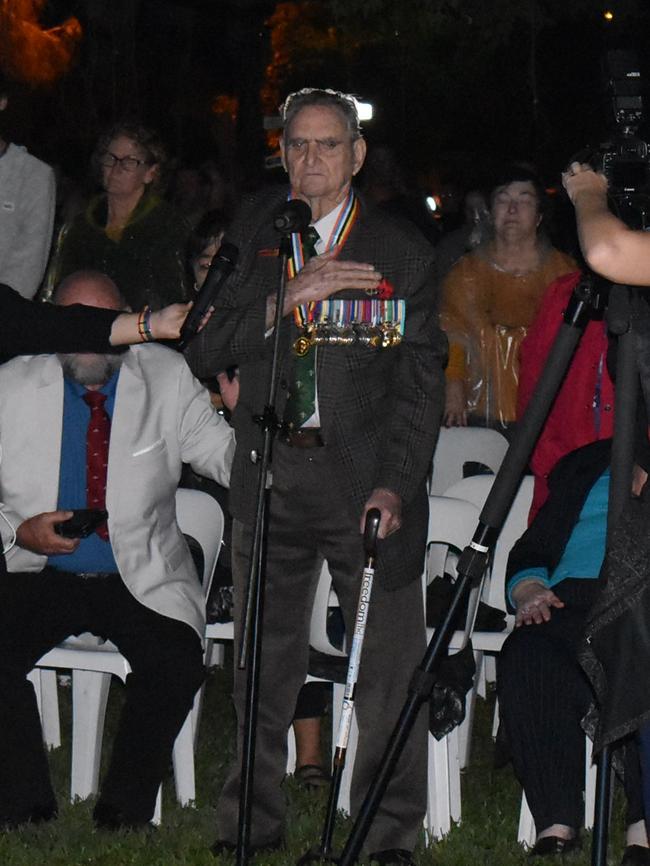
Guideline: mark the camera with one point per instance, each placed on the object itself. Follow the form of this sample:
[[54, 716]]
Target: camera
[[624, 158]]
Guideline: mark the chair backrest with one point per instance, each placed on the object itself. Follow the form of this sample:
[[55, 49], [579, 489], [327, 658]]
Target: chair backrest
[[475, 490], [199, 515], [459, 445], [452, 522], [324, 599]]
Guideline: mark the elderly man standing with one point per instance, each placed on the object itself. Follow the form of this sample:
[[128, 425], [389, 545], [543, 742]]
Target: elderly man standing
[[109, 432], [359, 435]]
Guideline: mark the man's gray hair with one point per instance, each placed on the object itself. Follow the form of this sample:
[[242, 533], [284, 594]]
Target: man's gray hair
[[345, 103]]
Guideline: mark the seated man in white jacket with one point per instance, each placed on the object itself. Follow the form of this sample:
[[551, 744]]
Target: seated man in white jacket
[[132, 580]]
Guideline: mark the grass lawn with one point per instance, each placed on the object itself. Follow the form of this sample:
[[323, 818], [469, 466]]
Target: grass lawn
[[486, 837]]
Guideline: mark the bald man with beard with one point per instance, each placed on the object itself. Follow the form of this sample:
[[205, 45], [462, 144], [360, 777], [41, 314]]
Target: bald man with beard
[[114, 428]]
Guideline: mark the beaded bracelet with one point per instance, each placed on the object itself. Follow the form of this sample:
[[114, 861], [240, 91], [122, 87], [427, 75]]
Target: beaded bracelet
[[144, 325]]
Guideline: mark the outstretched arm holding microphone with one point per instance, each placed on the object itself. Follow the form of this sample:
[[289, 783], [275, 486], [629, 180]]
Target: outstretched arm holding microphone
[[611, 249]]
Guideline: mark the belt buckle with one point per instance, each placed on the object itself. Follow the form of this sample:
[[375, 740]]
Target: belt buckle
[[309, 437], [305, 437]]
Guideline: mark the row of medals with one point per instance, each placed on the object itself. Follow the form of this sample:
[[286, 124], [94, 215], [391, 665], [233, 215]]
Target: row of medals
[[383, 335]]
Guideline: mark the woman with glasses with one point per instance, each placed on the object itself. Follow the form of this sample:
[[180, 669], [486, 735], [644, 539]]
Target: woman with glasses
[[128, 231]]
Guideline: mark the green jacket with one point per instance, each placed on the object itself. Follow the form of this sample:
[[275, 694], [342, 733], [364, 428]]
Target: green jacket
[[148, 261]]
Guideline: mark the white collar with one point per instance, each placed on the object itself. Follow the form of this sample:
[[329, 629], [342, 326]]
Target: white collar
[[325, 225]]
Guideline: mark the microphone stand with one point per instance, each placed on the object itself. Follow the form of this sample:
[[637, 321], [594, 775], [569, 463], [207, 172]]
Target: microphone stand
[[251, 639]]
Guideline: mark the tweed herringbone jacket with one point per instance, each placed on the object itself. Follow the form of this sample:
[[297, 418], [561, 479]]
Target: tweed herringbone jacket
[[379, 409]]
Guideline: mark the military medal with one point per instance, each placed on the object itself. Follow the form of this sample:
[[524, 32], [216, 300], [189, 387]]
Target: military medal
[[305, 340], [372, 323], [375, 322], [305, 314], [302, 345]]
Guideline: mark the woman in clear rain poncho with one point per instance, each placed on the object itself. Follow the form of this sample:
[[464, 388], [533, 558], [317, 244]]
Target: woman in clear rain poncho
[[490, 297]]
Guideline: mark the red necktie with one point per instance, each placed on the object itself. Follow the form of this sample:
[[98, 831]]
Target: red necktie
[[97, 437]]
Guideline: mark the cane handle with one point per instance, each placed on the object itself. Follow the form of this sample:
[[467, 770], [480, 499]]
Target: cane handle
[[370, 530]]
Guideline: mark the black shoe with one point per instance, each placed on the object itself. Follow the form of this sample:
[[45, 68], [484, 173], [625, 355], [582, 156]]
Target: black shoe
[[222, 846], [554, 846], [392, 857], [109, 817], [636, 855]]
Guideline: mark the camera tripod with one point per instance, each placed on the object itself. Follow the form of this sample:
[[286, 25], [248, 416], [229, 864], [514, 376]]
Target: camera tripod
[[586, 300]]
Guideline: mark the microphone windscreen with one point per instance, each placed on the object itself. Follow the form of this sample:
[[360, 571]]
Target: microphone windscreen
[[293, 216]]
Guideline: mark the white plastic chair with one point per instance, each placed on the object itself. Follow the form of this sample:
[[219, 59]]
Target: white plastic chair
[[216, 635], [325, 599], [447, 757], [459, 445], [93, 662], [476, 490], [452, 523]]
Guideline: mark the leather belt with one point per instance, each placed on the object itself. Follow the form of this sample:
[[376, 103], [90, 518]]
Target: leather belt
[[306, 437]]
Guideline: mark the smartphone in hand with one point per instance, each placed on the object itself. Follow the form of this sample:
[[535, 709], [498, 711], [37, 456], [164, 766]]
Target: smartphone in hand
[[84, 522]]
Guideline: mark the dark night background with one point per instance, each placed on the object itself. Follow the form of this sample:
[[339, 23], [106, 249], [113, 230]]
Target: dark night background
[[456, 86]]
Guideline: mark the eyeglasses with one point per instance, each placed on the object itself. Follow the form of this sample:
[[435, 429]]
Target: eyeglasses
[[324, 146], [128, 163]]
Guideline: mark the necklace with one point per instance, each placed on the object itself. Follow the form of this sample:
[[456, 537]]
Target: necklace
[[513, 270]]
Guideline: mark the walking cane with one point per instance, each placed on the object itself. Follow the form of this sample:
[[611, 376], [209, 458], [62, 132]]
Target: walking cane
[[370, 549]]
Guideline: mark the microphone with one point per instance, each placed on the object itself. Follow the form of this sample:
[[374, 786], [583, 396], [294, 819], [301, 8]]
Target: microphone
[[293, 216], [222, 265]]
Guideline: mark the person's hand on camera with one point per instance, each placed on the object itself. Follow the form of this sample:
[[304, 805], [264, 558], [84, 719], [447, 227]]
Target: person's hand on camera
[[38, 534], [611, 248], [533, 602], [580, 179]]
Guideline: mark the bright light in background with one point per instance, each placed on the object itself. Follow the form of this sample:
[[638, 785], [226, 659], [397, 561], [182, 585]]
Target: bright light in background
[[608, 15], [364, 110], [432, 204]]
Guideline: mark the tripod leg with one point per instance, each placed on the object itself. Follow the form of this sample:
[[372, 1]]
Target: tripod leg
[[603, 809], [472, 564], [252, 698], [419, 692], [619, 493]]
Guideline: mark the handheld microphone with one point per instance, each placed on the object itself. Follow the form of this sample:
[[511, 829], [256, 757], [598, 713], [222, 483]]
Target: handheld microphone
[[222, 265], [293, 216]]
